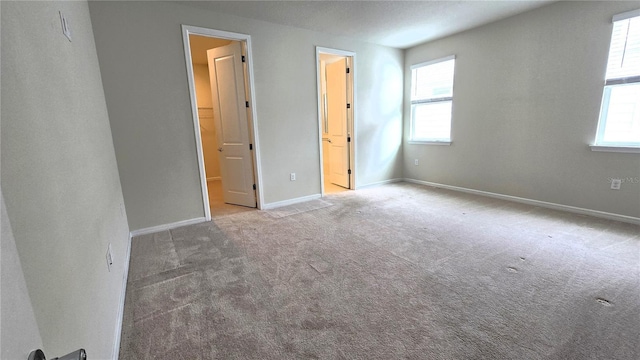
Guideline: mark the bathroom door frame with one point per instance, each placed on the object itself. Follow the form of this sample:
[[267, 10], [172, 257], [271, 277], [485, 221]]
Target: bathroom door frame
[[351, 113]]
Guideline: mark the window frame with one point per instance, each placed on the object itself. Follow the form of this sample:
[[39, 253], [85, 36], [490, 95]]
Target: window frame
[[434, 100], [599, 143]]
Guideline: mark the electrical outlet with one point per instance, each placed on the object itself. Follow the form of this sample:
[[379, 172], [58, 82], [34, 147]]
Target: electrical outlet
[[615, 184], [415, 162], [292, 176], [109, 258]]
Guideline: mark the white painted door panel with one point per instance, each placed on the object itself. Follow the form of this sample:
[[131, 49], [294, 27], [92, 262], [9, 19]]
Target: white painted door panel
[[336, 73], [230, 112]]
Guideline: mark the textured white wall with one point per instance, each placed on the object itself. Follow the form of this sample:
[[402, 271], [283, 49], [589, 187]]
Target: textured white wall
[[59, 176], [526, 102], [148, 100], [19, 334]]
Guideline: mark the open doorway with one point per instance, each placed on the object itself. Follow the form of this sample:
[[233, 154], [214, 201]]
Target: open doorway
[[219, 75], [336, 119]]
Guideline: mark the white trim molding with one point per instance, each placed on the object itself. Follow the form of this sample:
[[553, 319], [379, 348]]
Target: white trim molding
[[426, 142], [617, 149], [123, 295], [378, 183], [277, 204], [544, 204], [626, 15], [158, 228]]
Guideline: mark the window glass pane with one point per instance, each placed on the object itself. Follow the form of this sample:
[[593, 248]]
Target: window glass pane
[[622, 119], [619, 123], [431, 121], [433, 81], [624, 52]]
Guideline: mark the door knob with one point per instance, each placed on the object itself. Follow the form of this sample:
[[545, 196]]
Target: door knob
[[76, 355], [220, 149]]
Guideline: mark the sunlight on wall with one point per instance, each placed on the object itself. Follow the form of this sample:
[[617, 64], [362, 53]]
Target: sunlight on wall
[[388, 87], [389, 136], [389, 81]]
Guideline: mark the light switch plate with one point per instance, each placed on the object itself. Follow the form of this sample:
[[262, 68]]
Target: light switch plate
[[616, 183]]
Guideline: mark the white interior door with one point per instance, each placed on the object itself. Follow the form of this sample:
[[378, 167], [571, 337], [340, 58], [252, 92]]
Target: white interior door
[[336, 74], [230, 118]]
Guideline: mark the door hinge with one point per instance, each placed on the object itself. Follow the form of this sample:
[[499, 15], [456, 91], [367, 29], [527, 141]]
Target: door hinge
[[254, 186], [348, 138], [250, 146], [348, 70], [244, 59], [349, 171], [246, 103], [348, 106]]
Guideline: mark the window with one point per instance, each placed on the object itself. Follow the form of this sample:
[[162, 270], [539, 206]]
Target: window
[[619, 124], [431, 99]]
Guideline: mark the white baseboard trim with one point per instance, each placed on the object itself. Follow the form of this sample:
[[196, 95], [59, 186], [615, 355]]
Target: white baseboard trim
[[378, 183], [214, 178], [119, 320], [544, 204], [282, 203], [155, 229]]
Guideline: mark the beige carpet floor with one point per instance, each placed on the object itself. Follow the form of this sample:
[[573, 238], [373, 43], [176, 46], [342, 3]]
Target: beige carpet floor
[[398, 271]]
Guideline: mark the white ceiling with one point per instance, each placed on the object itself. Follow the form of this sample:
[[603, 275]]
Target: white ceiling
[[399, 24]]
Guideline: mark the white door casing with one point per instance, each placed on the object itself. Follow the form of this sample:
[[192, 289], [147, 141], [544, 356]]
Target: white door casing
[[336, 74], [226, 75]]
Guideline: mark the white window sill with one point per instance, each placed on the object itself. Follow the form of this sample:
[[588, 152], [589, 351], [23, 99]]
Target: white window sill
[[617, 149], [416, 142]]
